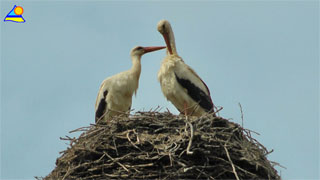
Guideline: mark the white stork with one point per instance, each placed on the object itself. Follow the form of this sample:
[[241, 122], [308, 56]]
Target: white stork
[[115, 93], [179, 83]]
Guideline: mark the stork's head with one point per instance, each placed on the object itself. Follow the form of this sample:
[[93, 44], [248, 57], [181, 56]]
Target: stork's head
[[164, 26], [139, 50], [165, 29]]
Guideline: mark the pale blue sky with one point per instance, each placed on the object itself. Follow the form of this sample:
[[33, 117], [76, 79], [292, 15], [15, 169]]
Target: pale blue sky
[[264, 55]]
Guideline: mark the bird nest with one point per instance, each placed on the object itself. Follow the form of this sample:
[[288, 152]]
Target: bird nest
[[153, 145]]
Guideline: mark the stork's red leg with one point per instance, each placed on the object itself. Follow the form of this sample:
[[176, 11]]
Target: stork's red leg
[[185, 109]]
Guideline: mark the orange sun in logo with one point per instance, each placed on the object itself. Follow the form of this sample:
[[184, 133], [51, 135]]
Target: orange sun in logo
[[18, 10]]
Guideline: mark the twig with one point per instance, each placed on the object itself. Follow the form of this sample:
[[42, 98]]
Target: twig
[[181, 164], [115, 146], [170, 157], [241, 115], [190, 140], [101, 158], [138, 140], [131, 141], [233, 168], [277, 164], [252, 131], [116, 162], [67, 173], [141, 165], [201, 172], [116, 175], [217, 110], [158, 108], [80, 129]]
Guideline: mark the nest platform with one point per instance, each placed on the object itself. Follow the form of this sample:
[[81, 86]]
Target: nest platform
[[153, 145]]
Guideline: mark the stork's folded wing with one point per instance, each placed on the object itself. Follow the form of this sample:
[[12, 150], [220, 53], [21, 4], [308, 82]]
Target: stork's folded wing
[[196, 93], [101, 106]]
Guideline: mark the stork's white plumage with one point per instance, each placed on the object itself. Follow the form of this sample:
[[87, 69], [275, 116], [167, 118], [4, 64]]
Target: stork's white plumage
[[179, 83], [115, 93]]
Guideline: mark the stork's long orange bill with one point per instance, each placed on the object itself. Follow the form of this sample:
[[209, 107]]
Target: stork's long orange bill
[[167, 40], [153, 48]]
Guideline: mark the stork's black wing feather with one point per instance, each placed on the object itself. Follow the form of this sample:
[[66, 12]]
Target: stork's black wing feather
[[196, 94], [102, 106]]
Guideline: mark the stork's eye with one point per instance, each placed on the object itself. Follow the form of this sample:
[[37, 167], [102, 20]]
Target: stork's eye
[[139, 48]]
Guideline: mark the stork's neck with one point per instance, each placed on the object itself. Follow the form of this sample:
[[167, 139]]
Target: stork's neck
[[172, 41], [136, 66]]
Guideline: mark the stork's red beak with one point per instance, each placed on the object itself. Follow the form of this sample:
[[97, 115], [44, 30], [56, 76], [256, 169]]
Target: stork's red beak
[[167, 40], [153, 48]]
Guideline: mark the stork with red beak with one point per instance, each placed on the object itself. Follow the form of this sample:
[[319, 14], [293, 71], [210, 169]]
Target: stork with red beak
[[179, 83], [115, 93]]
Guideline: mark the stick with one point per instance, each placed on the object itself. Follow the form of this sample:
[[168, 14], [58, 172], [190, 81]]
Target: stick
[[80, 129], [115, 146], [233, 168], [190, 140], [241, 115], [116, 162], [131, 141], [67, 173], [217, 110]]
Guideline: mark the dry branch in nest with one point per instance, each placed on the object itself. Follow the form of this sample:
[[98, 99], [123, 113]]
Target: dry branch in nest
[[153, 145]]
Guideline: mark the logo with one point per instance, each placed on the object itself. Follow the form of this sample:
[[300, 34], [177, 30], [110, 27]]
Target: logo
[[15, 15]]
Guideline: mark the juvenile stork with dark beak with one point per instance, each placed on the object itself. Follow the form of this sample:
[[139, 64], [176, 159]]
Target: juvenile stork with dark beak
[[115, 93], [179, 83]]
